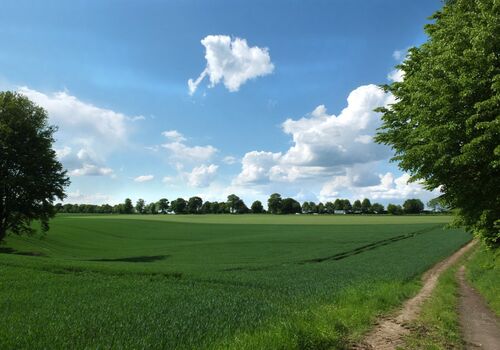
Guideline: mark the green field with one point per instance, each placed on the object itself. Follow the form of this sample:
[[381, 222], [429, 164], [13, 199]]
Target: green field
[[221, 281]]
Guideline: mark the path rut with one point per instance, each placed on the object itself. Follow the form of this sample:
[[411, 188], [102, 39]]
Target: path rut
[[480, 326], [390, 331]]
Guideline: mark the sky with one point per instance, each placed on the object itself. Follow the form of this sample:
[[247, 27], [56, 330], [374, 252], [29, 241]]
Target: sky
[[178, 98]]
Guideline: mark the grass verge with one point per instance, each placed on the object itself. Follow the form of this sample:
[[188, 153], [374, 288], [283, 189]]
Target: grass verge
[[438, 325], [483, 272]]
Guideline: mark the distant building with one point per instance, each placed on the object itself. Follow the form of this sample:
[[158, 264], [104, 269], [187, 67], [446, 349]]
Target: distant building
[[339, 212]]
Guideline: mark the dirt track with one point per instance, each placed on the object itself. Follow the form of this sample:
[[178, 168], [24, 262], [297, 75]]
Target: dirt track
[[480, 326], [389, 332]]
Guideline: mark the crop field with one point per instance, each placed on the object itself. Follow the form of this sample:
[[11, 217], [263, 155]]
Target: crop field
[[212, 282]]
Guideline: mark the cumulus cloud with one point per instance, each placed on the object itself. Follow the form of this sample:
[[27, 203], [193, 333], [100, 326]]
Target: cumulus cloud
[[397, 75], [231, 61], [388, 187], [174, 135], [323, 144], [83, 162], [81, 198], [202, 175], [144, 178], [181, 153], [87, 134]]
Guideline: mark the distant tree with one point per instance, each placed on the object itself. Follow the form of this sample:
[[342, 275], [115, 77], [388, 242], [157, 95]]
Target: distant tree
[[366, 206], [320, 208], [107, 209], [216, 208], [139, 206], [31, 177], [306, 208], [437, 205], [128, 208], [206, 207], [290, 206], [377, 208], [346, 205], [179, 206], [394, 209], [257, 207], [151, 208], [274, 203], [444, 123], [194, 205], [163, 205], [356, 206], [329, 208], [338, 204], [413, 206]]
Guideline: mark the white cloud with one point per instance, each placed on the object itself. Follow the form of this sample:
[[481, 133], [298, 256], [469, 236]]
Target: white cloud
[[86, 134], [181, 153], [397, 75], [231, 61], [91, 170], [202, 175], [323, 144], [399, 55], [174, 135], [144, 178], [77, 197], [388, 187], [230, 160]]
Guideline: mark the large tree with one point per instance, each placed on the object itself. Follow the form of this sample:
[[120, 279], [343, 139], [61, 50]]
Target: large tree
[[274, 203], [31, 178], [445, 123]]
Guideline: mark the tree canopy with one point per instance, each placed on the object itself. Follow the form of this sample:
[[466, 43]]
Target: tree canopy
[[445, 123], [31, 177]]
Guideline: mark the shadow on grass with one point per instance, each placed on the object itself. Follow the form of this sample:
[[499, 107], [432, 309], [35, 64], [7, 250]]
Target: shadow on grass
[[8, 250], [135, 259]]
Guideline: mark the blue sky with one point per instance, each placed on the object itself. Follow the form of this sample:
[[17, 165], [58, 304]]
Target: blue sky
[[271, 113]]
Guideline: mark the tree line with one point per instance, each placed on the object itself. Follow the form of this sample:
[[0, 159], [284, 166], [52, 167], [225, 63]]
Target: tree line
[[276, 204]]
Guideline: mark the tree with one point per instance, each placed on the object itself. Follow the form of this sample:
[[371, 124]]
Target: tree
[[128, 208], [139, 206], [162, 205], [233, 203], [413, 206], [31, 177], [338, 204], [346, 205], [377, 208], [356, 206], [320, 208], [394, 209], [366, 206], [151, 208], [437, 205], [257, 207], [306, 208], [444, 125], [194, 205], [274, 203], [329, 207], [290, 206], [178, 206]]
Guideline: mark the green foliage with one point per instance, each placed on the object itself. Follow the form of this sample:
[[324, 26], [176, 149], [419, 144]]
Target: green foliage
[[394, 209], [31, 177], [274, 203], [413, 206], [163, 205], [257, 207], [366, 206], [445, 123], [212, 281], [290, 206], [194, 205], [179, 206], [127, 208], [483, 271], [140, 206], [377, 208]]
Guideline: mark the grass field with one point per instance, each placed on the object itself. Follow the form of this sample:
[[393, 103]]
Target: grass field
[[233, 282]]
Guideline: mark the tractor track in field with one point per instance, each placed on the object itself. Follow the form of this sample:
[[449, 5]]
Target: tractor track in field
[[390, 331]]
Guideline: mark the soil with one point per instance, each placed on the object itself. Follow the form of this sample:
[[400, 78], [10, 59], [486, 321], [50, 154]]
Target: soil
[[480, 326], [390, 331]]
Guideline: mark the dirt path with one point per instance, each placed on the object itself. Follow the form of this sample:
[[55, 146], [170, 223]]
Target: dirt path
[[389, 332], [480, 326]]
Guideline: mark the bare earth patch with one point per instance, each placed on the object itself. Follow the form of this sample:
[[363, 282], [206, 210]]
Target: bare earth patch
[[390, 331], [480, 326]]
